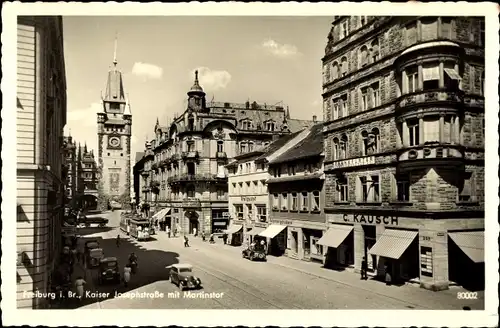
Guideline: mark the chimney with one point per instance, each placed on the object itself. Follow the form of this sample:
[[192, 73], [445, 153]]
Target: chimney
[[314, 118]]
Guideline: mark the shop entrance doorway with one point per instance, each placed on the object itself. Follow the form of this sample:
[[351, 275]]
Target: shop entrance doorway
[[194, 225]]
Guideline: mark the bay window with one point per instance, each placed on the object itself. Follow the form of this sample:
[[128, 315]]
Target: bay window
[[412, 80], [430, 76]]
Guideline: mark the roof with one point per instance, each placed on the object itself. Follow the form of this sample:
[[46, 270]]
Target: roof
[[274, 146], [297, 125], [311, 145], [245, 157], [295, 178], [114, 87]]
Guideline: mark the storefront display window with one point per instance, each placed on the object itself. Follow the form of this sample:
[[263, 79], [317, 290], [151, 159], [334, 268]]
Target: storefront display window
[[426, 261]]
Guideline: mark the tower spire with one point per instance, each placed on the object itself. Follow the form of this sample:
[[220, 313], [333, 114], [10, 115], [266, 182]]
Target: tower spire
[[116, 46]]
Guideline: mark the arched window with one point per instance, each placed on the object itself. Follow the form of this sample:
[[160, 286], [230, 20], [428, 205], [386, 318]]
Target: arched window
[[363, 56], [371, 141], [344, 66], [335, 107], [343, 147], [335, 71], [375, 52], [327, 73], [220, 146], [335, 149]]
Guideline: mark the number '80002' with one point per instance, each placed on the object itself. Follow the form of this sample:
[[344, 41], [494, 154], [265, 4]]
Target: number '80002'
[[467, 295]]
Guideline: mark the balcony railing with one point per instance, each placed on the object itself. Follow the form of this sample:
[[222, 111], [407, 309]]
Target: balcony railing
[[190, 155], [431, 154], [430, 96], [191, 202], [195, 177]]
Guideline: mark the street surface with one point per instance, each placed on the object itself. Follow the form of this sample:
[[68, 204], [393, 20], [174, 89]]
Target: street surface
[[231, 282]]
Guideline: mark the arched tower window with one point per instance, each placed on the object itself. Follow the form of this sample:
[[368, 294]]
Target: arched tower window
[[335, 149], [344, 66], [363, 56], [335, 71]]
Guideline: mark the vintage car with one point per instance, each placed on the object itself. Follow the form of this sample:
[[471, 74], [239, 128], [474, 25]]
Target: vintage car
[[88, 221], [91, 244], [108, 270], [94, 257], [254, 253], [182, 276]]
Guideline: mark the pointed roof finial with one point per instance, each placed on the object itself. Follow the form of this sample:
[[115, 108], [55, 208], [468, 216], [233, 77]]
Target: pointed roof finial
[[157, 121], [196, 76], [116, 46], [69, 132], [287, 112]]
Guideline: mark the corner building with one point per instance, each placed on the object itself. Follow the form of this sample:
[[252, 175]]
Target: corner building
[[404, 145], [184, 167]]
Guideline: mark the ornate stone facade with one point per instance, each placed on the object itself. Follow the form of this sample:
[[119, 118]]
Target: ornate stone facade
[[404, 137]]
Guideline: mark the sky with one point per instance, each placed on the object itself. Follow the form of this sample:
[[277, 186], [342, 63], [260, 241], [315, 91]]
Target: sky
[[263, 59]]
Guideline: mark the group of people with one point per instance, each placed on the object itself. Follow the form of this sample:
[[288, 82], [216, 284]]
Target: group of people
[[387, 271]]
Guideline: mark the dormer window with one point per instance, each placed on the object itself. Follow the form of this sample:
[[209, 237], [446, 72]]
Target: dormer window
[[246, 124], [270, 126]]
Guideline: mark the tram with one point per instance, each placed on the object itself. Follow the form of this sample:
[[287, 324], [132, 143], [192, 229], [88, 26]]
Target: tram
[[125, 224], [139, 229]]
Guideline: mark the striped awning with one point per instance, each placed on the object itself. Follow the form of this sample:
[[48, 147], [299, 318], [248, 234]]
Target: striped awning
[[471, 243], [234, 229], [393, 243], [161, 214], [452, 74], [336, 235], [272, 231], [255, 231]]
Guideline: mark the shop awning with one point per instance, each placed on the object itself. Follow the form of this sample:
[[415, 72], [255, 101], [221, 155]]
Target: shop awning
[[234, 228], [255, 231], [471, 243], [272, 231], [336, 235], [161, 214], [452, 74], [393, 243]]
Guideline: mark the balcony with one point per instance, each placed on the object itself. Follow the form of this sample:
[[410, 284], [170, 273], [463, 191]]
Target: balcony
[[191, 202], [431, 154], [190, 155], [449, 99], [221, 155], [207, 177]]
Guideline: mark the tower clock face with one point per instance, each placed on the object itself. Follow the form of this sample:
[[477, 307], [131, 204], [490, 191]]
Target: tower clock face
[[114, 142]]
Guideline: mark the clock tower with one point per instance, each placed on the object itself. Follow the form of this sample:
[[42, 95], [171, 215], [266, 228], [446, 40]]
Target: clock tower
[[114, 122]]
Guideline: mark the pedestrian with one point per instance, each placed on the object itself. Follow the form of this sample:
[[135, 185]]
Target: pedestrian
[[212, 240], [186, 241], [79, 284], [195, 232], [126, 274], [168, 232], [203, 237], [224, 238], [364, 269], [388, 277], [118, 240]]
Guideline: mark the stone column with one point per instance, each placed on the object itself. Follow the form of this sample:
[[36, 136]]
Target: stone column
[[420, 78], [457, 129], [405, 134], [421, 130], [300, 240], [359, 246], [441, 74], [441, 128]]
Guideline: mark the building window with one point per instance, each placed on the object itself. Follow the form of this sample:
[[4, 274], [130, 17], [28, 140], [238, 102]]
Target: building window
[[363, 56], [190, 123], [250, 146], [374, 51], [249, 211], [363, 20], [238, 210], [315, 201], [465, 188], [335, 149], [403, 187], [220, 146], [376, 94], [412, 80], [335, 109], [447, 129], [482, 83], [291, 169], [284, 201], [371, 142], [414, 132], [295, 205], [246, 125], [248, 167], [344, 66], [370, 188], [335, 71], [190, 192], [342, 189], [276, 201], [304, 201], [431, 129], [344, 29], [430, 77], [261, 213], [343, 106], [190, 146], [343, 147], [243, 147], [364, 99], [270, 126]]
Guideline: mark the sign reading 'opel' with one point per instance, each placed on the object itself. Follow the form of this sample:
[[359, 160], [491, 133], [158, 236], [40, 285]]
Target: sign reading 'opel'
[[371, 219], [248, 199], [354, 162]]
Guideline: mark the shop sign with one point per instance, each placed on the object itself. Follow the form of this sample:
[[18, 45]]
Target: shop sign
[[371, 219], [354, 162], [248, 199], [225, 214], [282, 222]]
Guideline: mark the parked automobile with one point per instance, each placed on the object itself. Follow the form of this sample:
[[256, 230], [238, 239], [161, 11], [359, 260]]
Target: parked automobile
[[91, 244], [108, 270], [254, 253], [95, 256], [182, 276], [88, 221]]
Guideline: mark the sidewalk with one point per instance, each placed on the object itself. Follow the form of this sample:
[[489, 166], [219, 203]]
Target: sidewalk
[[410, 293]]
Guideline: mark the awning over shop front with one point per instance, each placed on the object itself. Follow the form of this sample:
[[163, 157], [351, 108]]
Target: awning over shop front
[[272, 231], [393, 243], [471, 243], [255, 231], [335, 235], [161, 214], [234, 229]]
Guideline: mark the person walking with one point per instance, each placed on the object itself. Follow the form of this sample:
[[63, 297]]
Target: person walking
[[388, 274], [168, 231], [80, 287], [195, 232], [118, 241], [364, 269], [186, 241], [127, 270]]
